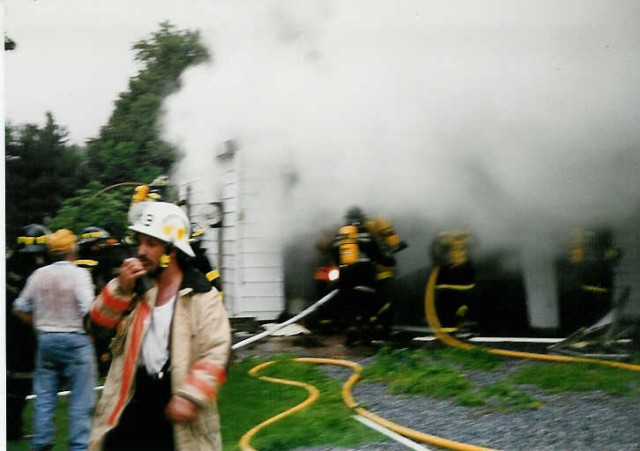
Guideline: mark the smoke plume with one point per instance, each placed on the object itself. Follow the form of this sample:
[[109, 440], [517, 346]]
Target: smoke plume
[[511, 118]]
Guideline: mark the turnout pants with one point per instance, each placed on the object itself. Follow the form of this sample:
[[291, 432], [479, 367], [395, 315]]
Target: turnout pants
[[143, 424]]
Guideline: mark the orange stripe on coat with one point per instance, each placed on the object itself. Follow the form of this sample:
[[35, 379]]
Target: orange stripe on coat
[[114, 302], [212, 368], [101, 319], [130, 362], [206, 388]]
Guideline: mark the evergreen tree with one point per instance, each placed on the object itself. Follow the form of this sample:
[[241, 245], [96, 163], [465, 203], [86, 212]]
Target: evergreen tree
[[41, 170], [129, 147]]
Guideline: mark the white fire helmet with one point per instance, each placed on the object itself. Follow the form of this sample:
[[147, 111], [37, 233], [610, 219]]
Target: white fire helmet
[[166, 222]]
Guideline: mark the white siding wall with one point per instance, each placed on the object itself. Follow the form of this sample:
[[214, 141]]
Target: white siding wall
[[252, 266]]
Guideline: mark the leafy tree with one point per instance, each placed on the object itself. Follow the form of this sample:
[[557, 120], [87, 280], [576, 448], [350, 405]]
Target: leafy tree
[[89, 207], [129, 147], [41, 170]]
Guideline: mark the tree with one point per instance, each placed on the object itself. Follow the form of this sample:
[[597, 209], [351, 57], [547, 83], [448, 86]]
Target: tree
[[129, 147], [41, 170], [89, 208]]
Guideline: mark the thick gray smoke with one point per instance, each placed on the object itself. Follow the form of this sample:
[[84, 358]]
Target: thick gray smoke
[[505, 116], [518, 120]]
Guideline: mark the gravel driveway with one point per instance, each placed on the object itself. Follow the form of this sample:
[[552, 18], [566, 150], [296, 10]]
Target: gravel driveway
[[565, 422]]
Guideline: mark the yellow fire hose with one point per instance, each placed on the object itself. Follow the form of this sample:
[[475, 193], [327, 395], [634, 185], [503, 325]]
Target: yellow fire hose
[[350, 402], [313, 396], [441, 334], [434, 323]]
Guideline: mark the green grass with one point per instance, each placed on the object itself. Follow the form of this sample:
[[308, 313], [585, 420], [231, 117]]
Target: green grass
[[61, 424], [580, 377], [246, 401], [440, 373]]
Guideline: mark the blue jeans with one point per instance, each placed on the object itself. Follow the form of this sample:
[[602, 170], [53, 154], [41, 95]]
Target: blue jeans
[[70, 357]]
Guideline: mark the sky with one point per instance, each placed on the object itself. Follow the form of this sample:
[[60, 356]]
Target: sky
[[477, 112], [74, 57]]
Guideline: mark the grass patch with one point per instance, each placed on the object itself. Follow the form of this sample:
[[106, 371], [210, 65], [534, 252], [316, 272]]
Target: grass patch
[[580, 377], [504, 396], [246, 401], [441, 374], [473, 359], [60, 421]]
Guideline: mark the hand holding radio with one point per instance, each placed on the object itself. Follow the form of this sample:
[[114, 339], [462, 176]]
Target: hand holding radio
[[131, 271]]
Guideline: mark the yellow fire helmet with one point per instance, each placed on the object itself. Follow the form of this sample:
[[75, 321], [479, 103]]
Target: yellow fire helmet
[[166, 222], [62, 241]]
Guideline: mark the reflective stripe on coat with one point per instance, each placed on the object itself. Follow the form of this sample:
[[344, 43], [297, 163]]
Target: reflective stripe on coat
[[200, 347]]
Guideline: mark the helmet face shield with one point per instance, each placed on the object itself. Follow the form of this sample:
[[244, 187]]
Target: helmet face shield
[[166, 222]]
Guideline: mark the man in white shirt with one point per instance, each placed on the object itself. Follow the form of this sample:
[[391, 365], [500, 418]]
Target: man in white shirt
[[55, 300]]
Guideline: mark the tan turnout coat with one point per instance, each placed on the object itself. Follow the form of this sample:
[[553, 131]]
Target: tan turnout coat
[[200, 347]]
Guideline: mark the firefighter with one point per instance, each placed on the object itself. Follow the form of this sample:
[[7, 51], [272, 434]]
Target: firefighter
[[101, 254], [591, 263], [97, 254], [201, 261], [382, 229], [450, 250], [358, 253], [159, 190], [29, 255], [597, 275]]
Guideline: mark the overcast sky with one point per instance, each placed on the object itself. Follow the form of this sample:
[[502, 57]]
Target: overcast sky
[[506, 110], [74, 56]]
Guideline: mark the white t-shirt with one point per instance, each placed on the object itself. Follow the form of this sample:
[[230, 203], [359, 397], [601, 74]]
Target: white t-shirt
[[155, 345]]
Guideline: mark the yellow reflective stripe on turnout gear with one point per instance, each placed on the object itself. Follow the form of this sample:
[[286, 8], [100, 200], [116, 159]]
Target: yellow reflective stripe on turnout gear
[[384, 275], [91, 235], [455, 287], [32, 240], [462, 311], [595, 289]]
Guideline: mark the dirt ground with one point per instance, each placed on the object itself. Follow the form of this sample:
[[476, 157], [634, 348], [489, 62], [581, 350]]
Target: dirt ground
[[304, 345]]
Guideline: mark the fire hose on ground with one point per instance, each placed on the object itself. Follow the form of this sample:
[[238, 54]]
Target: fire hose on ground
[[381, 424], [446, 338], [443, 336], [389, 428]]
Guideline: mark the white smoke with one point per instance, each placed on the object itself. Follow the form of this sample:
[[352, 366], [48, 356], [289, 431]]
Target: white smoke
[[502, 116]]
